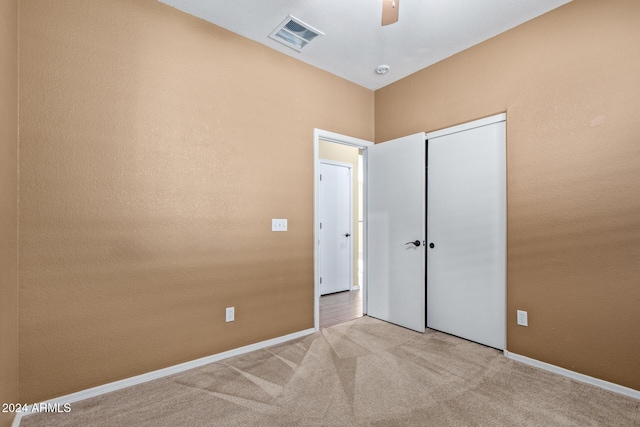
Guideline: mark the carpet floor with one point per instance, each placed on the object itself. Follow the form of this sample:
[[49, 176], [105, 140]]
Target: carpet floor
[[361, 373]]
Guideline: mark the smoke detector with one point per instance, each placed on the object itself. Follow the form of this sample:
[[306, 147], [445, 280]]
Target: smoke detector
[[382, 69], [294, 33]]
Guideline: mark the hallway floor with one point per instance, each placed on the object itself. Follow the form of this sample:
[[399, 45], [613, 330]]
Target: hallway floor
[[340, 307]]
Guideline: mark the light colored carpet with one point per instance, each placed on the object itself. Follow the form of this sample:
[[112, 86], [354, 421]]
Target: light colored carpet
[[361, 373]]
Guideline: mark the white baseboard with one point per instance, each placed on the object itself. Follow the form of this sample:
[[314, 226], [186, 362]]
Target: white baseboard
[[616, 388], [160, 373]]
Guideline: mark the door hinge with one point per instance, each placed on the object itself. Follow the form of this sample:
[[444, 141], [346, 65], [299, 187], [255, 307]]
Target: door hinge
[[321, 280], [320, 226], [320, 177]]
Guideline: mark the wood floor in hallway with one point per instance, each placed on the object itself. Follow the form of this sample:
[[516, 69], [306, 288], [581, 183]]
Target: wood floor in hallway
[[340, 307]]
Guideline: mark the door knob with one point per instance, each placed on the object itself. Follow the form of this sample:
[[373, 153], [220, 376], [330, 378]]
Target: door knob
[[432, 245], [347, 235], [417, 243]]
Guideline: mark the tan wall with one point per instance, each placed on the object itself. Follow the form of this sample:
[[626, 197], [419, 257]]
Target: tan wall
[[8, 206], [570, 84], [346, 154], [155, 149]]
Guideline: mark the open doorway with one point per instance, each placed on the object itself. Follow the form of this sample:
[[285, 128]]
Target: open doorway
[[348, 302], [341, 243]]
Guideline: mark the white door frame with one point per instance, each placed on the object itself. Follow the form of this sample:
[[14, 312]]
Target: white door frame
[[350, 231], [319, 134]]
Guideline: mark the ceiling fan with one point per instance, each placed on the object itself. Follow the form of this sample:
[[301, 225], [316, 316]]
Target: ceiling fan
[[390, 11]]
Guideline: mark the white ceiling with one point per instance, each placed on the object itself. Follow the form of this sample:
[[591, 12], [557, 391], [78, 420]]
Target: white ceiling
[[355, 43]]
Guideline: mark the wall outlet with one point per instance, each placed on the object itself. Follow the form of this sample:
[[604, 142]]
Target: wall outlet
[[522, 318], [278, 224], [231, 314]]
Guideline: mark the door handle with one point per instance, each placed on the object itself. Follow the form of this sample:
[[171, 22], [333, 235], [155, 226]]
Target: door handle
[[417, 243], [432, 245], [347, 235]]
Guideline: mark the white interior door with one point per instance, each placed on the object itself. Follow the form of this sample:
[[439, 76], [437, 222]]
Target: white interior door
[[395, 189], [466, 223], [335, 227]]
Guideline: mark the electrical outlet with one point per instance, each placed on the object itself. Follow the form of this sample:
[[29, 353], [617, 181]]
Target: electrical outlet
[[522, 318], [231, 314], [278, 224]]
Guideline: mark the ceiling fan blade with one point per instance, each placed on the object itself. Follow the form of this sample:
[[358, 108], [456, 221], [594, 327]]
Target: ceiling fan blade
[[390, 11]]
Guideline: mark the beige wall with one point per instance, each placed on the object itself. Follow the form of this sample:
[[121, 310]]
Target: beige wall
[[155, 149], [570, 84], [346, 154], [8, 205]]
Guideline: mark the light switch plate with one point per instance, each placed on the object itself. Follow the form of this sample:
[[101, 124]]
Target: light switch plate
[[230, 314], [278, 224]]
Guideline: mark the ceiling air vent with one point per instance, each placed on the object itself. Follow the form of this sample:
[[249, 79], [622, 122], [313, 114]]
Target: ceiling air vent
[[295, 33]]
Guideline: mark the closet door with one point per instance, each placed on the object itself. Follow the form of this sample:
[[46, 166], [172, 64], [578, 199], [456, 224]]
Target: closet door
[[466, 231], [396, 231]]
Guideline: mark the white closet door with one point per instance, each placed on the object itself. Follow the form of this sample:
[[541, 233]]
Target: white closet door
[[466, 224], [395, 219]]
